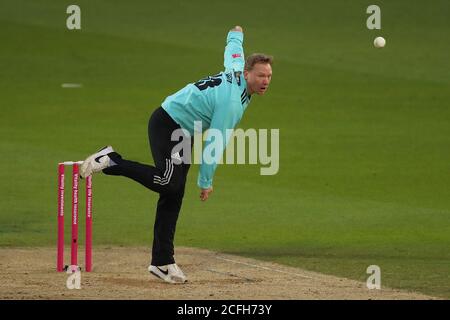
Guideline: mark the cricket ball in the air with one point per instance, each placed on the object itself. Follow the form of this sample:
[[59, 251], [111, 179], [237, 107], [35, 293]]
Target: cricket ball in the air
[[379, 42]]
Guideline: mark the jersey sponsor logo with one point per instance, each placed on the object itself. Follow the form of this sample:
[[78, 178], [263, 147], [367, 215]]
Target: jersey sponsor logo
[[236, 55], [229, 77]]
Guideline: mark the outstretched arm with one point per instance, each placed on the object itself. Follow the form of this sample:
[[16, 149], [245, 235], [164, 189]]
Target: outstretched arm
[[234, 52], [233, 61]]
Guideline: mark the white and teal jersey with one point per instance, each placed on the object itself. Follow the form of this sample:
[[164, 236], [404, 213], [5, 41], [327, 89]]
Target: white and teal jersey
[[218, 101]]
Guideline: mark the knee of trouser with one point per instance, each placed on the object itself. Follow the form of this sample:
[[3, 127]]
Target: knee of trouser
[[174, 186]]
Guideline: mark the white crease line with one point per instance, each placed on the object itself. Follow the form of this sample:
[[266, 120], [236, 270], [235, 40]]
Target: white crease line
[[265, 268], [71, 85]]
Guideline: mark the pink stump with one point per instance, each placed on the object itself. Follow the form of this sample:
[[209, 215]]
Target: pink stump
[[60, 250], [88, 244], [74, 249]]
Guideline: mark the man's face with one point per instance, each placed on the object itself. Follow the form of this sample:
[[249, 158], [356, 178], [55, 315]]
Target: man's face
[[258, 78]]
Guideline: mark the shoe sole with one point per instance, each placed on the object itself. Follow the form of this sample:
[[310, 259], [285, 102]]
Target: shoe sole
[[86, 168]]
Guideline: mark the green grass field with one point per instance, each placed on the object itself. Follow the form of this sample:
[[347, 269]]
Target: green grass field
[[364, 133]]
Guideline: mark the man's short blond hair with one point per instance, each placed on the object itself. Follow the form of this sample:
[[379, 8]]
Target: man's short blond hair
[[257, 58]]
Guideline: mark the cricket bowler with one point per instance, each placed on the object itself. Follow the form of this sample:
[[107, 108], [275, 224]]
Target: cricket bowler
[[216, 102]]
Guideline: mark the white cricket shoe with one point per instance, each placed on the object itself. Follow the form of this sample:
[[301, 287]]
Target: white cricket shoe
[[96, 162], [170, 273]]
